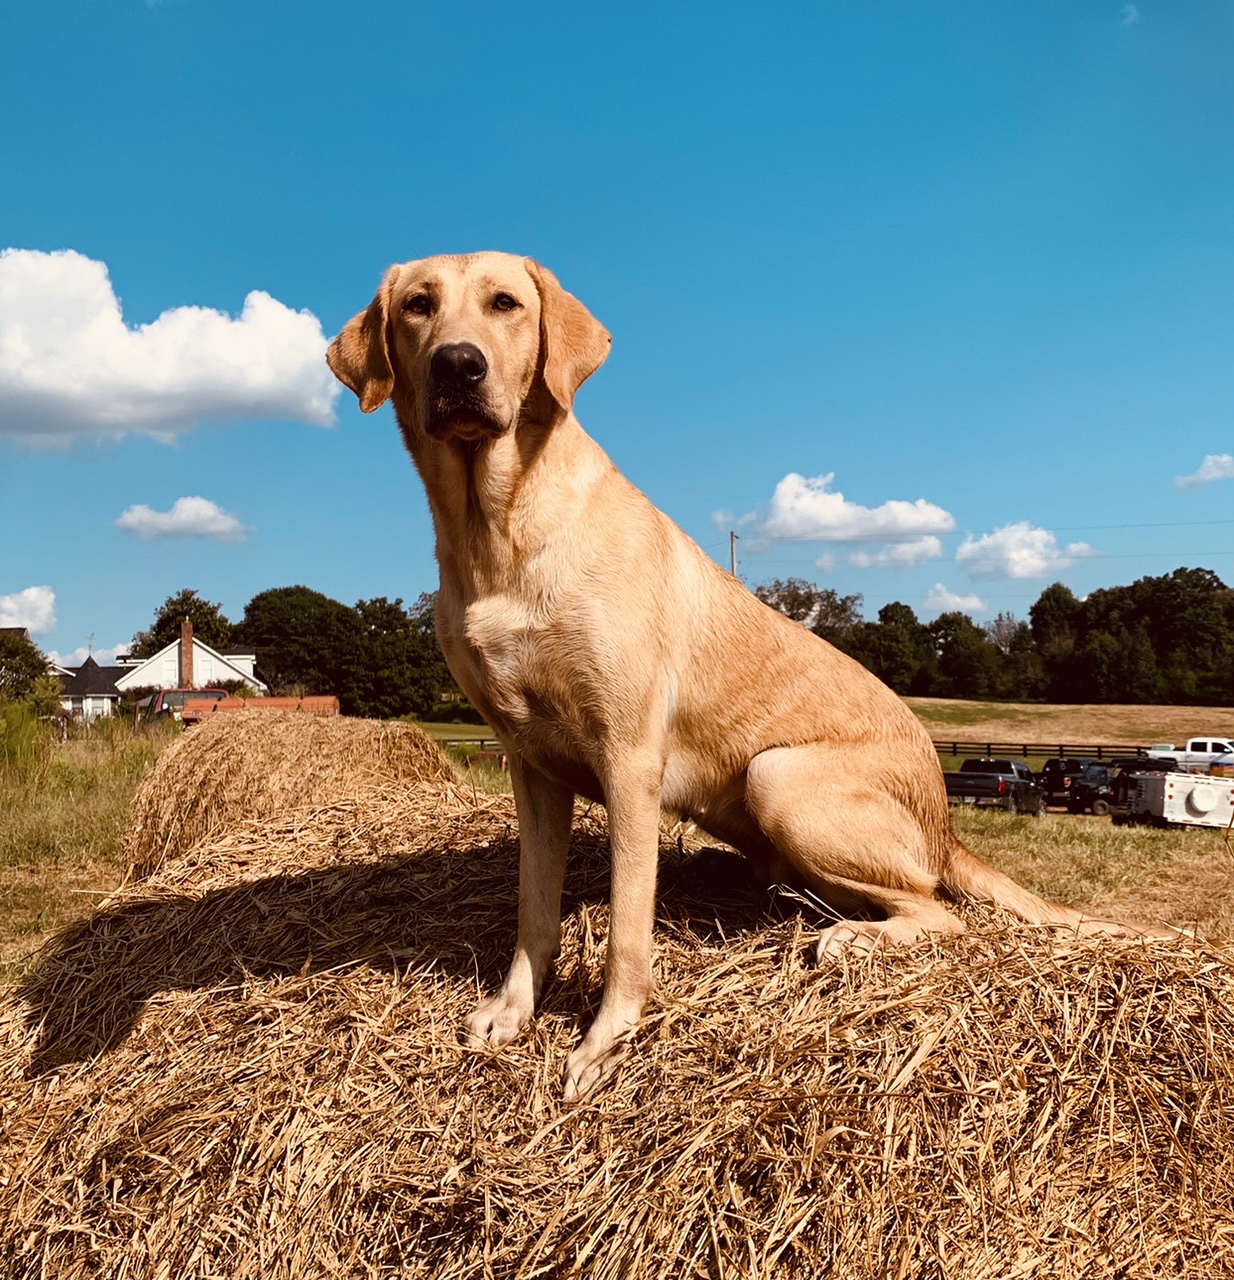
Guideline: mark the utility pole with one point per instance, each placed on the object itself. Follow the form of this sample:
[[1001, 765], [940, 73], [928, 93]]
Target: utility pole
[[732, 552]]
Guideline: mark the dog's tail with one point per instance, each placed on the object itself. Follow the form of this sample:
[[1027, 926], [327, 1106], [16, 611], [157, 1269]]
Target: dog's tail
[[967, 878]]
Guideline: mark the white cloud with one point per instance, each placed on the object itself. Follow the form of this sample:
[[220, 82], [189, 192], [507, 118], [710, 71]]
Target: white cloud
[[1216, 466], [899, 555], [34, 608], [1130, 15], [1018, 550], [188, 518], [805, 509], [105, 657], [70, 367], [940, 600]]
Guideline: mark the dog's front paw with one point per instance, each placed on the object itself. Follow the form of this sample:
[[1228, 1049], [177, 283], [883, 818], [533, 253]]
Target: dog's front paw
[[590, 1065], [855, 937], [495, 1021]]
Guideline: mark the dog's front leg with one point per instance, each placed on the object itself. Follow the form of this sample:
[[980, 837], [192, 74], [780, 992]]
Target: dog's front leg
[[545, 811], [633, 802]]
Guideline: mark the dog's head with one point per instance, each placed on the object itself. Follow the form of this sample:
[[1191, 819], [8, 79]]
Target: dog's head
[[466, 344]]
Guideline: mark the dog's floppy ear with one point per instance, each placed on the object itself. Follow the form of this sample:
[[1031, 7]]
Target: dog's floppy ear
[[573, 343], [360, 356]]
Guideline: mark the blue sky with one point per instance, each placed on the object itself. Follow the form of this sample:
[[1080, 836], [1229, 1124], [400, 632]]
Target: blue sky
[[973, 262]]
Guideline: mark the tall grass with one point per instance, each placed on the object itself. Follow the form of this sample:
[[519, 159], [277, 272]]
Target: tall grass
[[481, 770], [63, 808], [24, 742]]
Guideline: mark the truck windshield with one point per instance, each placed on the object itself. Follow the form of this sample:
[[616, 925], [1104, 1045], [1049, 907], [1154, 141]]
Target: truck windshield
[[181, 696]]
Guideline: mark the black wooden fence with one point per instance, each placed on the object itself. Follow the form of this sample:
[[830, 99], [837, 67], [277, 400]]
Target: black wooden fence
[[484, 740], [1089, 750]]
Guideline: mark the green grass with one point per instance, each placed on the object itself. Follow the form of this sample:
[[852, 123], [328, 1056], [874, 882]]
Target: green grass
[[478, 769], [448, 733], [1074, 859], [63, 810], [958, 714]]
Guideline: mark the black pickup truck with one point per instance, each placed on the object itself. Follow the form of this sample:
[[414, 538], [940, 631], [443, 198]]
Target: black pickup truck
[[1003, 784]]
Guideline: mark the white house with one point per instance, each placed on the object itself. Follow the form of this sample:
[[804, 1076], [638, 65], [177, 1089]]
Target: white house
[[188, 664], [89, 691]]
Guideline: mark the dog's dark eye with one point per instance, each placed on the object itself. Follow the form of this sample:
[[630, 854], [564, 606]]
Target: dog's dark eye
[[419, 304], [504, 302]]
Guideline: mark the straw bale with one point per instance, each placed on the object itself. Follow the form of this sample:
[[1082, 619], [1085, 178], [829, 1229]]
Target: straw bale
[[258, 763], [248, 1066]]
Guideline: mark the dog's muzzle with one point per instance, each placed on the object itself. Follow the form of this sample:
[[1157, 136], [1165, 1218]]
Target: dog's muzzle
[[457, 402]]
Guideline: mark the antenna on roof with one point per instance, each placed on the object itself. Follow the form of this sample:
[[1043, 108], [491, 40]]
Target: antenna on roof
[[90, 645]]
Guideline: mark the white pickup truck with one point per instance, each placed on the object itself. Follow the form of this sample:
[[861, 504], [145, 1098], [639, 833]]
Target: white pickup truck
[[1197, 756]]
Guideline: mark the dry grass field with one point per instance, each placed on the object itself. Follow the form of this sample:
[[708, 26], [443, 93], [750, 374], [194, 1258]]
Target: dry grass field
[[1042, 722]]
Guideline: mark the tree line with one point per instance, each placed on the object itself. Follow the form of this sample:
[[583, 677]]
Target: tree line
[[1167, 639]]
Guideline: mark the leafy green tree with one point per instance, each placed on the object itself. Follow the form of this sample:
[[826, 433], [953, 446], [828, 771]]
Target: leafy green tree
[[210, 624], [1056, 620], [425, 622], [1160, 639], [21, 665], [305, 642], [1096, 666], [45, 695], [1021, 673], [396, 671], [820, 609], [898, 648], [1141, 680], [968, 664]]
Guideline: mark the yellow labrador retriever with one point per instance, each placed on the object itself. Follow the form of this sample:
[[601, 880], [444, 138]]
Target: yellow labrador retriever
[[616, 661]]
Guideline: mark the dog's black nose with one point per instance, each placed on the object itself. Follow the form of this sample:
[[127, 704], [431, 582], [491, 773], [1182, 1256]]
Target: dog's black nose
[[458, 364]]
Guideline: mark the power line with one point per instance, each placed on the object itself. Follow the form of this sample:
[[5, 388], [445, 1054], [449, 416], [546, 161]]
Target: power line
[[1156, 524]]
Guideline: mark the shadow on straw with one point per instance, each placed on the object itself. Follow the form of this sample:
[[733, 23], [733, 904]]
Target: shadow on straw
[[449, 909]]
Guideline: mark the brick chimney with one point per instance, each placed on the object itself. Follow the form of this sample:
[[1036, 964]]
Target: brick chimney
[[186, 654]]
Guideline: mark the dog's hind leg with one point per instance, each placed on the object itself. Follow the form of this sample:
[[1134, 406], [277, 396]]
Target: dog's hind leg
[[545, 812], [852, 841]]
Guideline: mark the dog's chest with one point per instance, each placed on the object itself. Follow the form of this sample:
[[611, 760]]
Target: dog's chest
[[529, 668]]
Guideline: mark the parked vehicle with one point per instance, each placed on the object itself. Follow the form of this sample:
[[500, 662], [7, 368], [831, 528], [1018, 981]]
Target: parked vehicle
[[1090, 791], [170, 702], [1179, 798], [1102, 787], [1003, 784], [1057, 777], [1197, 755]]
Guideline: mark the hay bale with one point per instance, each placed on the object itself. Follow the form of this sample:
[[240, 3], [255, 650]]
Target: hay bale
[[248, 1066], [258, 763]]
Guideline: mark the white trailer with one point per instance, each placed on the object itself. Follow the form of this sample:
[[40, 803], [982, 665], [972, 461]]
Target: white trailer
[[1185, 798]]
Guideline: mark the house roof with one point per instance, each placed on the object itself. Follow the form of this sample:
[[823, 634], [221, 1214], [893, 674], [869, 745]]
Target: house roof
[[91, 680], [24, 632], [144, 673]]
